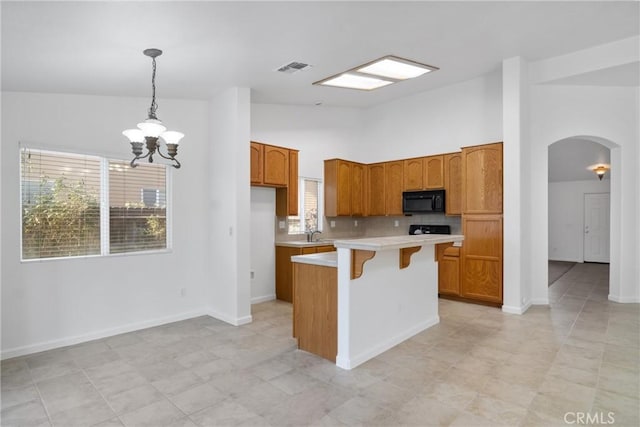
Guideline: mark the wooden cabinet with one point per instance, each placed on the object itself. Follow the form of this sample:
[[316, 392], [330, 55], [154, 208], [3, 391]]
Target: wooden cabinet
[[277, 167], [434, 172], [344, 188], [284, 279], [423, 173], [315, 309], [414, 174], [287, 197], [453, 183], [482, 179], [358, 189], [257, 163], [481, 272], [376, 195], [393, 184], [448, 257]]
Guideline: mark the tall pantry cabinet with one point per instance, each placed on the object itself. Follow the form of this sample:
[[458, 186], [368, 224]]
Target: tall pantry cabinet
[[481, 255]]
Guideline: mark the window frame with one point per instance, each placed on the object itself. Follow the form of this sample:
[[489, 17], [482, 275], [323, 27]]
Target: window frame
[[300, 216], [103, 202]]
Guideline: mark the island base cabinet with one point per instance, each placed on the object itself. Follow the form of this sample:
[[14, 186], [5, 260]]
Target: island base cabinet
[[315, 309], [284, 269]]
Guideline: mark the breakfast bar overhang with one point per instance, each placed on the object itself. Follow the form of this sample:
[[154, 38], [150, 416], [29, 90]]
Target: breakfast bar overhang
[[387, 291]]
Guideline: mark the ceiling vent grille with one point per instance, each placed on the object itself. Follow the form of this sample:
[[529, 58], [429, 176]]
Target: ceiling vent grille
[[293, 67]]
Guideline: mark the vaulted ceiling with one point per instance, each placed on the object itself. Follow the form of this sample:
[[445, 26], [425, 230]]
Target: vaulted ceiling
[[96, 47]]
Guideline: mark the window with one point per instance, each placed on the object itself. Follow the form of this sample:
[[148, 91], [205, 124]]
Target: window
[[309, 206], [79, 205]]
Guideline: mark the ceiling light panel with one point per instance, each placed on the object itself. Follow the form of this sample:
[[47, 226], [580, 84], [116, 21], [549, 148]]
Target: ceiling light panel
[[355, 81], [395, 68]]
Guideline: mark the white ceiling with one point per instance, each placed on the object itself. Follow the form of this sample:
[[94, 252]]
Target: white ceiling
[[570, 159], [96, 47]]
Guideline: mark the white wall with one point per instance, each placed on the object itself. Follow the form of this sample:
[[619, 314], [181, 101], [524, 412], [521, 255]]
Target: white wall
[[229, 204], [318, 132], [52, 303], [263, 260], [437, 121], [566, 217], [609, 116]]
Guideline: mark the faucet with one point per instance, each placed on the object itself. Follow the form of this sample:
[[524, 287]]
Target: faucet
[[310, 235]]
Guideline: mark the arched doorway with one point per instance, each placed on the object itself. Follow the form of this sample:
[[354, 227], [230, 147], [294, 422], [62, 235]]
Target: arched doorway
[[569, 180]]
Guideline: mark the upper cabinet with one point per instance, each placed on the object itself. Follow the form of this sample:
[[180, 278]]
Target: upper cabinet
[[482, 179], [393, 183], [423, 173], [277, 167], [453, 183], [344, 185], [376, 188], [257, 163], [434, 172]]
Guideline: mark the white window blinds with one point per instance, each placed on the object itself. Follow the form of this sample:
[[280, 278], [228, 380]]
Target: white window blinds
[[60, 204], [79, 205], [137, 207]]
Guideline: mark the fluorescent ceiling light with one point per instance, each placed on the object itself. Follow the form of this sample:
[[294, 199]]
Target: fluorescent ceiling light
[[395, 68], [355, 81], [379, 73]]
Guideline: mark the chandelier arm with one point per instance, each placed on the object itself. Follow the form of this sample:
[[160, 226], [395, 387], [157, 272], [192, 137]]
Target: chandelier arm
[[172, 158]]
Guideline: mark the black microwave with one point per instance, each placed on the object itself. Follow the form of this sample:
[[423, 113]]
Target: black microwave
[[422, 201]]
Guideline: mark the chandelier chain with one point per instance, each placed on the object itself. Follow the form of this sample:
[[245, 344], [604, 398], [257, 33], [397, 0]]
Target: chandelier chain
[[154, 104]]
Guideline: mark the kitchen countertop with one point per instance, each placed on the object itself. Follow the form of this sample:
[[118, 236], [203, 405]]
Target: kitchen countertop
[[305, 244], [397, 242], [326, 259]]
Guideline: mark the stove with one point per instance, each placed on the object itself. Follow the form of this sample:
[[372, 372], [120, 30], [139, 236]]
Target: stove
[[429, 229]]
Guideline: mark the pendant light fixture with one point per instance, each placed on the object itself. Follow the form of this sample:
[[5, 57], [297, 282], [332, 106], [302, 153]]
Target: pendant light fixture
[[152, 130]]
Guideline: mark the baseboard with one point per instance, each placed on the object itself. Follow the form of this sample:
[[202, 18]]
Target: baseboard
[[624, 300], [235, 321], [345, 363], [579, 261], [104, 333], [511, 309], [265, 298]]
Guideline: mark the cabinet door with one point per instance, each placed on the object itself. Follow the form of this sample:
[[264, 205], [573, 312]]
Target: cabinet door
[[357, 189], [257, 158], [327, 248], [434, 172], [376, 189], [482, 257], [453, 183], [344, 188], [414, 174], [292, 187], [449, 275], [276, 166], [284, 281], [482, 179], [393, 187]]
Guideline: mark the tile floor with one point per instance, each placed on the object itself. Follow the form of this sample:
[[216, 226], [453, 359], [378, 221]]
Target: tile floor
[[478, 367]]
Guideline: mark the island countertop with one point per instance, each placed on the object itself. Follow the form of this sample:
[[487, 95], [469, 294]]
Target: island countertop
[[326, 259], [397, 242]]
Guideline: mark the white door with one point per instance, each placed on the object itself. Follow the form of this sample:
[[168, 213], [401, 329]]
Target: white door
[[596, 227]]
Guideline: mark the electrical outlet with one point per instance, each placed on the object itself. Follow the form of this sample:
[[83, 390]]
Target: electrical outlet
[[396, 223], [281, 225], [333, 224], [355, 222]]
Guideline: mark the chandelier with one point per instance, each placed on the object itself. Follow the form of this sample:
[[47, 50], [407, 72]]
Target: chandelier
[[151, 131]]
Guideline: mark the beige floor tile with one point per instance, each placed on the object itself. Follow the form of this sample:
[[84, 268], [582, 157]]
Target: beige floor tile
[[197, 398], [571, 391], [453, 395], [625, 357], [619, 380], [497, 410], [359, 411], [625, 410], [509, 392], [128, 400], [160, 413], [177, 383], [19, 395], [84, 415], [30, 413], [421, 411], [466, 419], [554, 408]]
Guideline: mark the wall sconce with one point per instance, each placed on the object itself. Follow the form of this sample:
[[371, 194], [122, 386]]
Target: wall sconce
[[600, 170]]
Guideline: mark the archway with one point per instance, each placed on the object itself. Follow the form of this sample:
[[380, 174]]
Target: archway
[[615, 205]]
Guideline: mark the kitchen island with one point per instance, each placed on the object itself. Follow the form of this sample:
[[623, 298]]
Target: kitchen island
[[377, 292]]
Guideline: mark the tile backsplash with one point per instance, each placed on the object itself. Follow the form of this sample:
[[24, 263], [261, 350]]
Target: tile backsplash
[[345, 227]]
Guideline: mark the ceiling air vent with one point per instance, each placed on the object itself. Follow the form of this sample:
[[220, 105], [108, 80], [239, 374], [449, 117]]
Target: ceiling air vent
[[293, 67]]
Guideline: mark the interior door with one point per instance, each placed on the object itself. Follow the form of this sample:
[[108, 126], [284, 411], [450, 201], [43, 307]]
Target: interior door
[[596, 227]]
